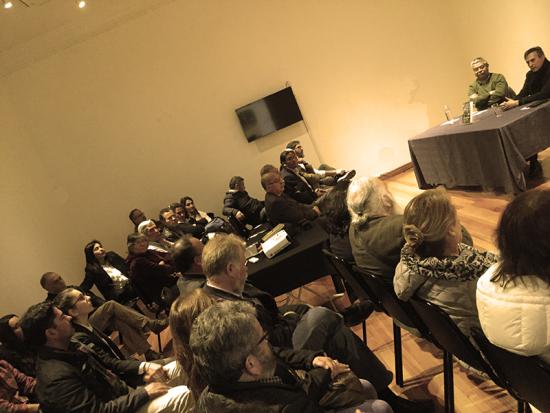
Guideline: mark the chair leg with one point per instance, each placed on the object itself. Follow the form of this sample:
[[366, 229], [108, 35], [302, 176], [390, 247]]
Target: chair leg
[[521, 406], [365, 332], [160, 343], [448, 384], [398, 355]]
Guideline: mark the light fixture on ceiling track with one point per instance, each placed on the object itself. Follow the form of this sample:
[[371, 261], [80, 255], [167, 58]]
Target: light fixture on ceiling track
[[8, 4]]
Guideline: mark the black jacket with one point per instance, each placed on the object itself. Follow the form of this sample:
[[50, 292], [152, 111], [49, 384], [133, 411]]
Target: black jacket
[[537, 85], [95, 274], [284, 209], [234, 202], [74, 381], [297, 187]]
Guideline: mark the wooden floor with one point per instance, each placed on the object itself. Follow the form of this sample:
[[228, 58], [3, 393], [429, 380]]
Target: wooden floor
[[422, 363]]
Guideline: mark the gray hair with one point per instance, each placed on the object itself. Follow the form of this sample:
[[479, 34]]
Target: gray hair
[[479, 60], [221, 340], [143, 225], [219, 252], [369, 197]]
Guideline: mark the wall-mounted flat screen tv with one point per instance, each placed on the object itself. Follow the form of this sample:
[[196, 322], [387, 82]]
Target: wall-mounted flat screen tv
[[267, 115]]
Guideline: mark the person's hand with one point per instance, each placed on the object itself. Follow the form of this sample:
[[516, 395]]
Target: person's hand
[[32, 407], [154, 372], [339, 369], [240, 216], [317, 210], [336, 368], [156, 389], [162, 263], [509, 104]]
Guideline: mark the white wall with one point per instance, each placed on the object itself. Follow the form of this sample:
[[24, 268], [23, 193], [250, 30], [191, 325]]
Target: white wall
[[142, 114]]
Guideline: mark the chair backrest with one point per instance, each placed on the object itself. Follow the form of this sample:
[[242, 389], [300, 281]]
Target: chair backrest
[[526, 378], [399, 310], [344, 270], [449, 336]]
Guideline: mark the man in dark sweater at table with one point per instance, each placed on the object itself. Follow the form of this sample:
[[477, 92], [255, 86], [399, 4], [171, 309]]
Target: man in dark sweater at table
[[280, 207], [536, 87], [239, 204], [299, 327]]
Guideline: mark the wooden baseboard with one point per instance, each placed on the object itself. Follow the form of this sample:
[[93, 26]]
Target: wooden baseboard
[[396, 171]]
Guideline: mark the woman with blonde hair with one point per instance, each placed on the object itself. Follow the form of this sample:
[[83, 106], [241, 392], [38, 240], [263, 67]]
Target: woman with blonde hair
[[435, 265]]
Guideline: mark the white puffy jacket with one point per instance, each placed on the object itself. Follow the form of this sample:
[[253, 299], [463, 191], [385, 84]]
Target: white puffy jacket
[[517, 317]]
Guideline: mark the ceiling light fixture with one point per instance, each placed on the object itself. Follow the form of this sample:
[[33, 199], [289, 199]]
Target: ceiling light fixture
[[7, 4], [81, 4]]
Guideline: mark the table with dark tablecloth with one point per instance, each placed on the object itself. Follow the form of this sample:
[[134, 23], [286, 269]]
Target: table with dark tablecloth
[[298, 264], [491, 152]]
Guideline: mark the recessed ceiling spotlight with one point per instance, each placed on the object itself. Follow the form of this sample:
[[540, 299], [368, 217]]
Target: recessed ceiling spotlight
[[81, 4], [8, 4]]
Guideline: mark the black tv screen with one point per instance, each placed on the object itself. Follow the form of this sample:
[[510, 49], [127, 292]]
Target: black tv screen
[[267, 115]]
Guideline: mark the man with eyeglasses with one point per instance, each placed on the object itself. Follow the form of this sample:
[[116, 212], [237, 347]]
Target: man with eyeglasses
[[489, 88]]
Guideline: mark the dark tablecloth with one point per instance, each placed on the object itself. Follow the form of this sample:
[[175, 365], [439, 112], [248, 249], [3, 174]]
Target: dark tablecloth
[[300, 263], [490, 152]]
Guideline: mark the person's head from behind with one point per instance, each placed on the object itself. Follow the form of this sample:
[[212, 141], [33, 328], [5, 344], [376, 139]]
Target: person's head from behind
[[523, 236], [534, 57], [229, 345], [74, 303], [289, 159], [297, 147], [137, 244], [94, 252], [11, 334], [267, 168], [168, 217], [223, 261], [335, 208], [273, 183], [187, 254], [480, 68], [369, 198], [183, 313], [150, 230], [236, 183], [45, 324], [52, 282], [431, 225], [137, 216]]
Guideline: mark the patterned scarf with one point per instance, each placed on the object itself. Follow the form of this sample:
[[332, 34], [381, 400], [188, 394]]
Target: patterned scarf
[[470, 264]]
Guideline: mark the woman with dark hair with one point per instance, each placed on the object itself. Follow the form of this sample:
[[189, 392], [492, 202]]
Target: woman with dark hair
[[13, 349], [194, 216], [435, 265], [109, 273], [513, 296], [182, 314], [149, 270]]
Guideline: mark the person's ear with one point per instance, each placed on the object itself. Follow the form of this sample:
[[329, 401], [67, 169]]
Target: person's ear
[[50, 333], [73, 312], [252, 366], [387, 202]]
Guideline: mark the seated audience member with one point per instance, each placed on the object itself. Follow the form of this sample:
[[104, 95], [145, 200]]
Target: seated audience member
[[194, 216], [156, 241], [536, 87], [324, 175], [179, 210], [183, 313], [280, 207], [268, 168], [15, 390], [53, 283], [187, 255], [296, 185], [513, 296], [111, 315], [137, 217], [70, 379], [489, 88], [150, 270], [435, 266], [108, 271], [173, 229], [79, 306], [237, 203], [234, 358], [12, 348], [300, 327], [376, 229]]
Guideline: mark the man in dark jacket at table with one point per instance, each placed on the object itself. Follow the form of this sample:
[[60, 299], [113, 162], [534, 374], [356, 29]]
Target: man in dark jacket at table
[[536, 87]]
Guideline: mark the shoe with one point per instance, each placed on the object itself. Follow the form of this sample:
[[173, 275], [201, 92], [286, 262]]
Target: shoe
[[356, 313], [151, 355], [157, 326], [402, 405], [347, 176]]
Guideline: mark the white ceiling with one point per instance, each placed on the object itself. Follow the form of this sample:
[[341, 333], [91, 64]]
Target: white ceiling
[[28, 34]]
